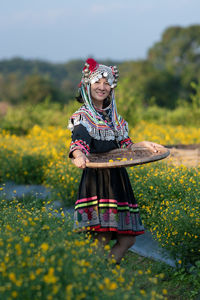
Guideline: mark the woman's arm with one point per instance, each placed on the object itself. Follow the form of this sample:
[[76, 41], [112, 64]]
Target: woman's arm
[[80, 146]]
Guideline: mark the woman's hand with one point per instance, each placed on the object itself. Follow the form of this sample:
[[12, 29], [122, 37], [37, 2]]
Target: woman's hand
[[145, 144], [79, 159]]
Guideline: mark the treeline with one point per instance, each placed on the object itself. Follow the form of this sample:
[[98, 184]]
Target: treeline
[[169, 77], [33, 81]]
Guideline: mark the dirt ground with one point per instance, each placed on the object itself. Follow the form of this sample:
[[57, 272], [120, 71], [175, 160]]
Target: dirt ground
[[188, 155], [3, 108]]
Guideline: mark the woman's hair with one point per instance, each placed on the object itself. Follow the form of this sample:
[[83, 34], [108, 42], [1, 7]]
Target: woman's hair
[[79, 98], [106, 102]]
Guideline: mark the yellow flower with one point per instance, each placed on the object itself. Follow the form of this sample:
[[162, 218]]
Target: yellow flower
[[26, 239], [2, 267], [142, 292], [44, 247], [12, 277], [8, 227], [38, 271], [55, 289], [113, 286], [106, 281], [45, 227], [69, 289], [153, 280], [164, 292], [107, 247], [18, 249], [101, 287], [120, 279], [49, 277], [14, 294], [32, 276], [42, 259]]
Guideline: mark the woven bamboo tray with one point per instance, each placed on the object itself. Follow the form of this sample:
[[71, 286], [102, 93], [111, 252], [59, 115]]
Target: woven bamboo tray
[[126, 157]]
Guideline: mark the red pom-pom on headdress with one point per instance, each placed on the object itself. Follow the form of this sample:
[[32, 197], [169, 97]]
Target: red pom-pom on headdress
[[93, 65]]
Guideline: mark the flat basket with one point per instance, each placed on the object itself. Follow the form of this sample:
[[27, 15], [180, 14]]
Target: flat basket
[[126, 157]]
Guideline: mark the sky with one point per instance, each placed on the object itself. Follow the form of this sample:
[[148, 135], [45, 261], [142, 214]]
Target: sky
[[62, 30]]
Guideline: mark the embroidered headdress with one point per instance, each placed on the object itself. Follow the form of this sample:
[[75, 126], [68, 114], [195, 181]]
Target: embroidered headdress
[[92, 72]]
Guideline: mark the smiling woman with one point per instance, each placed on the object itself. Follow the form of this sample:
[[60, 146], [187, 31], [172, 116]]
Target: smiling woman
[[106, 205]]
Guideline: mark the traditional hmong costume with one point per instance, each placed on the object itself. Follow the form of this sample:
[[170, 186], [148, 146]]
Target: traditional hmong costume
[[105, 198]]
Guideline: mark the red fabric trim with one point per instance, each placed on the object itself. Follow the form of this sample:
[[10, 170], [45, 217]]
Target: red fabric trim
[[91, 228], [97, 228], [80, 142], [127, 142], [110, 229], [119, 231], [131, 232]]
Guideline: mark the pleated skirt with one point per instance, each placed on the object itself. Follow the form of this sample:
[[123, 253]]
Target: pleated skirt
[[106, 203]]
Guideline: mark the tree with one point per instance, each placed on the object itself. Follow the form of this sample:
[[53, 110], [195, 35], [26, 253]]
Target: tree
[[178, 47], [148, 85], [10, 88], [38, 88], [178, 53]]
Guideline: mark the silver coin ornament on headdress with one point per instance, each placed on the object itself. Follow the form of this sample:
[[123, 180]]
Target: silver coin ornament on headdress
[[93, 71]]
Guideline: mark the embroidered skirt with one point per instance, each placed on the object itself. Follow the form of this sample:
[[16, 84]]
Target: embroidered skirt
[[106, 203]]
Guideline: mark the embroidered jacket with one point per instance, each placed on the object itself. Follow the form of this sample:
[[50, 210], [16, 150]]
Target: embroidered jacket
[[84, 128]]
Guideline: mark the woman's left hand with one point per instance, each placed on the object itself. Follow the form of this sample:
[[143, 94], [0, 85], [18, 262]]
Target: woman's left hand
[[150, 145]]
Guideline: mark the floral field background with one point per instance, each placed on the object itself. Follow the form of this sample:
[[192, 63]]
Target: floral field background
[[42, 258]]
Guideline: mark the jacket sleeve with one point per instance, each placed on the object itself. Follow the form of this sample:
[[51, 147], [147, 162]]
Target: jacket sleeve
[[126, 143], [81, 140]]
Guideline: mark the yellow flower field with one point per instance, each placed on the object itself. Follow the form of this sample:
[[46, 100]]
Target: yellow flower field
[[168, 197], [42, 157], [165, 134], [41, 257]]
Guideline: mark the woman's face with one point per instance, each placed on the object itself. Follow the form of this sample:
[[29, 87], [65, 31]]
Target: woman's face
[[100, 90]]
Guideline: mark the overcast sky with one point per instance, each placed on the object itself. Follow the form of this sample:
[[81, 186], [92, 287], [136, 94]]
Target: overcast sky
[[60, 30]]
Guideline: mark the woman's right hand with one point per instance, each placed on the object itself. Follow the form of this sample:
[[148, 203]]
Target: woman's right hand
[[79, 159], [80, 162]]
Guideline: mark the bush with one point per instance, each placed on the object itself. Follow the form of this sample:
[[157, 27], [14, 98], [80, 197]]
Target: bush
[[23, 167], [183, 115], [21, 119]]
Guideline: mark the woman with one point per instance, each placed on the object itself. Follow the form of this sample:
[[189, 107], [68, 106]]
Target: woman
[[106, 204]]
